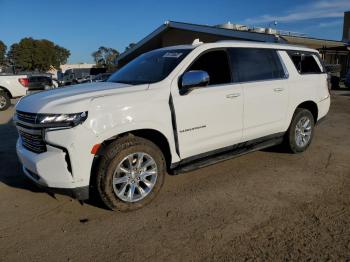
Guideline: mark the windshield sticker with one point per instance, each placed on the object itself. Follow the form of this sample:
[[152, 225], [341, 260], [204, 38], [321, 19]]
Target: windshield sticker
[[172, 55]]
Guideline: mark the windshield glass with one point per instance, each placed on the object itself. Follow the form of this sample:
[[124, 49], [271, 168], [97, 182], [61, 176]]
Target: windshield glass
[[150, 67]]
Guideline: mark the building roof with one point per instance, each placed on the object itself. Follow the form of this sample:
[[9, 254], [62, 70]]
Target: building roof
[[153, 40], [251, 36]]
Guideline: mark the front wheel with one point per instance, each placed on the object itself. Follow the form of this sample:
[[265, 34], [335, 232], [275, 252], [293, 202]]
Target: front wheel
[[301, 130], [130, 174], [5, 101]]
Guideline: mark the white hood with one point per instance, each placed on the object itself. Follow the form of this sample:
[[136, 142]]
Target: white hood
[[72, 99]]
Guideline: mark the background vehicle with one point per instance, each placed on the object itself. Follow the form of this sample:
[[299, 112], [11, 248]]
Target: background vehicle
[[79, 75], [38, 83], [174, 109], [334, 71], [347, 80], [98, 78], [74, 76], [11, 86]]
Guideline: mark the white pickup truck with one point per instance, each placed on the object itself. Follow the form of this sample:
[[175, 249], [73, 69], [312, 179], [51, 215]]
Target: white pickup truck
[[170, 110], [11, 86]]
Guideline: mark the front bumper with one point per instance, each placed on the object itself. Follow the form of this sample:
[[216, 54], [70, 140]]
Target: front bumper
[[79, 193], [50, 170]]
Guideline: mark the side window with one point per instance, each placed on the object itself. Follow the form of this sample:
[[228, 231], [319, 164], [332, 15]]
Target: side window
[[253, 64], [309, 65], [305, 63], [216, 64]]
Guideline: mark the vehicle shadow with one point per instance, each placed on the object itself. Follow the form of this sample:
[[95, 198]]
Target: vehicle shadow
[[281, 149], [341, 92]]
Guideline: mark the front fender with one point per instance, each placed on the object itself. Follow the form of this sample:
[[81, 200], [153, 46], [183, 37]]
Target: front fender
[[111, 116]]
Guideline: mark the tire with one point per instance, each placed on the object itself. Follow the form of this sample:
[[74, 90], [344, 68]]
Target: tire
[[120, 155], [297, 139], [5, 101]]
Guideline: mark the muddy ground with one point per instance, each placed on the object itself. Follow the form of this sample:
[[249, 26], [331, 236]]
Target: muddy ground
[[267, 205]]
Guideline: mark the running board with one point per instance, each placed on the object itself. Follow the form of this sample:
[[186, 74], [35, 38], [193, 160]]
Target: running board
[[220, 155]]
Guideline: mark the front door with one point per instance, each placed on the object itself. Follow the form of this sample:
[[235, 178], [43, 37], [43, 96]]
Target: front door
[[209, 118]]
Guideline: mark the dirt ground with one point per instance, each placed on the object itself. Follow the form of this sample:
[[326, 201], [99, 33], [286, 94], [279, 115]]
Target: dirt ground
[[266, 205]]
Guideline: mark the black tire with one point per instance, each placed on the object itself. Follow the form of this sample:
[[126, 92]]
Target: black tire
[[5, 101], [113, 156], [290, 139]]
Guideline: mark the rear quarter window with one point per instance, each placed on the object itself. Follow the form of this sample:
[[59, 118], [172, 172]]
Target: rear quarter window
[[306, 62]]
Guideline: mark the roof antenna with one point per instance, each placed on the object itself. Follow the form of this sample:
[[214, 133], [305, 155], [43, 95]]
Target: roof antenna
[[197, 42]]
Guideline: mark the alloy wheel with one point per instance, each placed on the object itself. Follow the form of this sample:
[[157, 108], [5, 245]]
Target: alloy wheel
[[3, 102], [303, 131], [135, 177]]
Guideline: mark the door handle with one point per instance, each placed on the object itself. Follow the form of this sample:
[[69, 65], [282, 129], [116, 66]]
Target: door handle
[[278, 89], [233, 95]]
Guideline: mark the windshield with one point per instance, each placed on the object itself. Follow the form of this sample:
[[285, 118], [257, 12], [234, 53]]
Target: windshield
[[150, 67]]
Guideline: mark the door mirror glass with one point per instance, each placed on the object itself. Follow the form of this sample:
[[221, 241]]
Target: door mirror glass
[[193, 79]]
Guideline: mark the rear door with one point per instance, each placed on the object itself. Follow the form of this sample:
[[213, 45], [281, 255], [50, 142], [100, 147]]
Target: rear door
[[209, 118], [262, 77]]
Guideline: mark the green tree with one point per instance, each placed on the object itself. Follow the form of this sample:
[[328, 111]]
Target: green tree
[[32, 54], [105, 57], [3, 48], [62, 55], [131, 45]]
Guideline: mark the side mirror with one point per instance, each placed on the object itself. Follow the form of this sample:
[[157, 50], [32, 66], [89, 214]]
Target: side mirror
[[193, 79]]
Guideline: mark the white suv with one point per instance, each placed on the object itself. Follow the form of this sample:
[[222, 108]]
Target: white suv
[[170, 110]]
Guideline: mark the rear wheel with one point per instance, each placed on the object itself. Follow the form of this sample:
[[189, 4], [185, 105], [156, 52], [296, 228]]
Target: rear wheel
[[301, 130], [130, 174], [5, 101]]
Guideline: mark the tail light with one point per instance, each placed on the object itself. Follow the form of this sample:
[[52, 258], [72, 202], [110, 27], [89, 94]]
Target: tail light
[[24, 81]]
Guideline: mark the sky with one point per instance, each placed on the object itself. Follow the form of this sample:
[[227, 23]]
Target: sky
[[83, 26]]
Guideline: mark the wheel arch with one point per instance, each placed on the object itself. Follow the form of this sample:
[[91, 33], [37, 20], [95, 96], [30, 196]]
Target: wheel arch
[[6, 91], [153, 135], [311, 106]]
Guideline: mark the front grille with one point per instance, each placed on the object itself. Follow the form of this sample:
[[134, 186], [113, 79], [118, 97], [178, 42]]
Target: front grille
[[32, 142], [26, 117], [31, 136]]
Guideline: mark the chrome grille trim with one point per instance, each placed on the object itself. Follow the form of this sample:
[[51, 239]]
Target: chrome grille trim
[[26, 117], [31, 136], [29, 131], [16, 120]]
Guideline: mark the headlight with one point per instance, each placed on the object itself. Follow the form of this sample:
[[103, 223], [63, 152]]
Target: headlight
[[62, 120]]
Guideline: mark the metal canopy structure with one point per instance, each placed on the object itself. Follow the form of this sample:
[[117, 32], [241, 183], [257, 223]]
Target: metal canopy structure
[[311, 42], [176, 33]]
